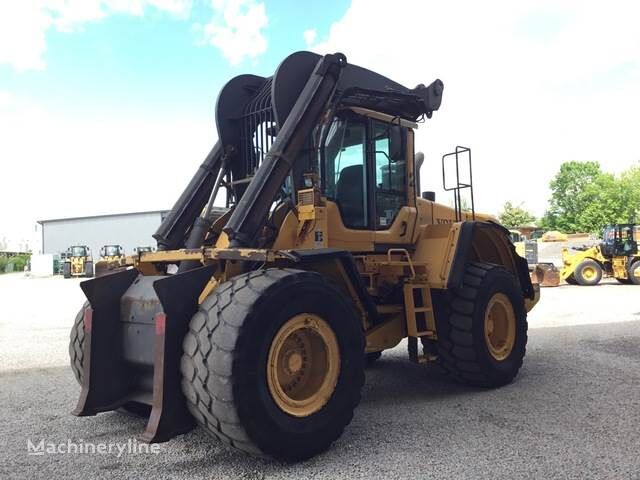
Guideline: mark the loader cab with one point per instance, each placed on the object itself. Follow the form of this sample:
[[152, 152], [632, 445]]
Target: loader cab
[[363, 168], [111, 251], [620, 240], [77, 251]]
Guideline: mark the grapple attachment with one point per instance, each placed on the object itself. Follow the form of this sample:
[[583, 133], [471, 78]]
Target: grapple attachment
[[133, 344]]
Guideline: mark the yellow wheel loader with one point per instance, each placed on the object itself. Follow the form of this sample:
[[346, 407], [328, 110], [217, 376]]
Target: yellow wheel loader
[[616, 256], [111, 258], [327, 256], [78, 262]]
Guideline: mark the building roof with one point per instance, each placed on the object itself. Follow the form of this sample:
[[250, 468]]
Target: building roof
[[125, 214]]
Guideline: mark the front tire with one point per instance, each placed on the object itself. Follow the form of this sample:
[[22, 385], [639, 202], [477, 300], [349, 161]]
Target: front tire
[[588, 273], [88, 269], [244, 371], [482, 336], [371, 358]]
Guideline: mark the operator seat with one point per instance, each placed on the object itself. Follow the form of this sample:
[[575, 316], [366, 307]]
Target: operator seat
[[350, 196]]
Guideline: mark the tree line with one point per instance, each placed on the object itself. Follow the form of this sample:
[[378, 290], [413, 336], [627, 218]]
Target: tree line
[[584, 198]]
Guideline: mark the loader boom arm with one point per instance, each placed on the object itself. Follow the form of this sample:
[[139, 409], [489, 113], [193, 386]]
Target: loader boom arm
[[173, 231], [252, 209]]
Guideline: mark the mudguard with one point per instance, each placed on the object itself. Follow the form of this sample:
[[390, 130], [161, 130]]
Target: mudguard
[[134, 329]]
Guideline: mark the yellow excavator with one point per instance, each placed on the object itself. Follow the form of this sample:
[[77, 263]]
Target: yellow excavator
[[328, 255], [616, 256]]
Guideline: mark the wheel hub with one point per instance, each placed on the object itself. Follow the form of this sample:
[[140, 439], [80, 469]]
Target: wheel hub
[[589, 273], [303, 365], [499, 326]]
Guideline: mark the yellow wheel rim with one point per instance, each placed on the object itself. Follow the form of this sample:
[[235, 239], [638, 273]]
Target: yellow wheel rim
[[589, 273], [303, 365], [499, 326]]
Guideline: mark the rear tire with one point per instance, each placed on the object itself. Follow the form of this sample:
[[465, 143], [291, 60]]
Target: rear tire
[[228, 375], [634, 273], [466, 347], [588, 273]]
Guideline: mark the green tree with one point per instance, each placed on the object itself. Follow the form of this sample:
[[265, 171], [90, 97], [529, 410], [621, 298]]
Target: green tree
[[513, 216], [630, 180], [585, 199], [568, 197]]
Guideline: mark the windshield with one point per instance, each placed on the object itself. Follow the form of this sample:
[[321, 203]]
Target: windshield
[[78, 251], [111, 250]]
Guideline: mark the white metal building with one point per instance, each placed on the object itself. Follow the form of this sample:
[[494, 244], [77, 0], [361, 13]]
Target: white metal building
[[130, 230], [127, 229]]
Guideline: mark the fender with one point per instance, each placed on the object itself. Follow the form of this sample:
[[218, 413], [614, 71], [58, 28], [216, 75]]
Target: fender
[[468, 241], [340, 266]]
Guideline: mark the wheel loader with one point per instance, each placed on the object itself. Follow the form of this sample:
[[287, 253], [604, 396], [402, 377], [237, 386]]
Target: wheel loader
[[78, 262], [111, 257], [616, 256], [327, 256]]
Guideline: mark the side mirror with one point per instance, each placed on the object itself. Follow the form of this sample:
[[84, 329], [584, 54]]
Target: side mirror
[[397, 143]]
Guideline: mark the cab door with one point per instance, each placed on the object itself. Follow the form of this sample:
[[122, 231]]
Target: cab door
[[391, 161]]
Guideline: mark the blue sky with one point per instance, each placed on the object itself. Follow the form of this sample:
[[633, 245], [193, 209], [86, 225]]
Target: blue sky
[[157, 61], [107, 105]]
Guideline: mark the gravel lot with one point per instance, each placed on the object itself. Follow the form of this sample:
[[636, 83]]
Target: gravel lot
[[573, 412]]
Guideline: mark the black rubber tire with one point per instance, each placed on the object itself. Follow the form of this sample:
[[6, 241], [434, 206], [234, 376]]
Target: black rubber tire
[[66, 270], [571, 280], [76, 357], [371, 358], [632, 271], [461, 347], [88, 269], [578, 273], [225, 356], [76, 341]]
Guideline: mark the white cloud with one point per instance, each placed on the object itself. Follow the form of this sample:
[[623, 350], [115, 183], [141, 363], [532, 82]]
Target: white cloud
[[524, 99], [310, 36], [236, 29], [22, 35], [25, 24], [42, 149]]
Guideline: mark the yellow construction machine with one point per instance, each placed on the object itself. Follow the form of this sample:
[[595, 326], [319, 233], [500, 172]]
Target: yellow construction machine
[[327, 256], [616, 256], [111, 257], [78, 262]]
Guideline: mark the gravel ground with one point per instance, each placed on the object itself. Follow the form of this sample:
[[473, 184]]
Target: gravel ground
[[573, 412]]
